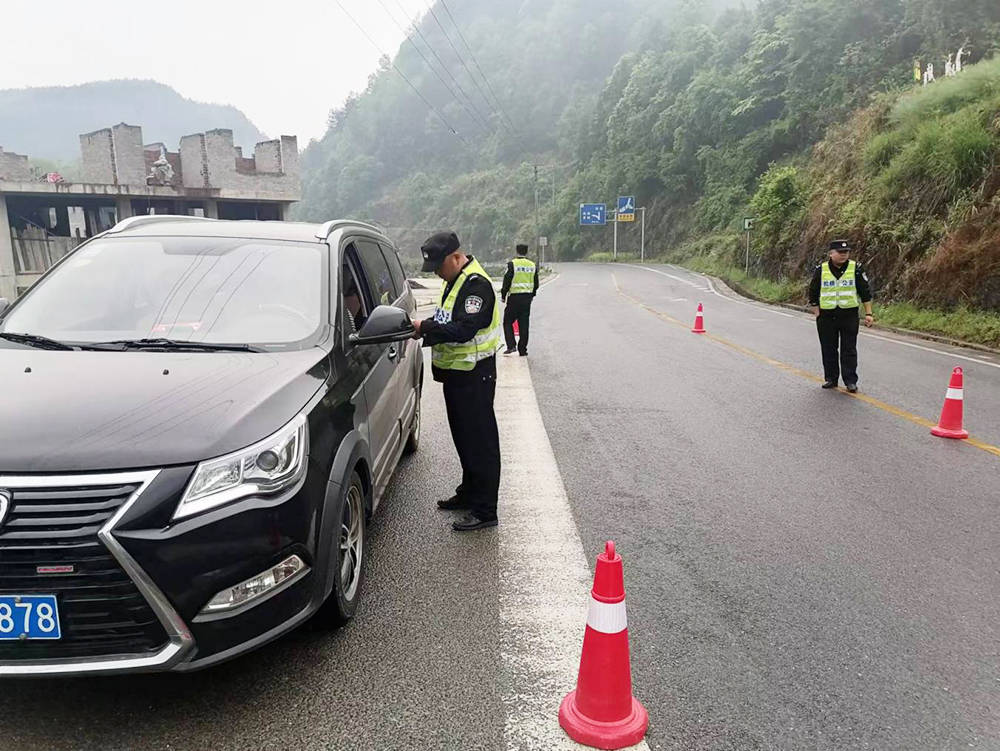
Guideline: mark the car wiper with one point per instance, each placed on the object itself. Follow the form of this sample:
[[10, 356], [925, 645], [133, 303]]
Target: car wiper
[[180, 344], [36, 340]]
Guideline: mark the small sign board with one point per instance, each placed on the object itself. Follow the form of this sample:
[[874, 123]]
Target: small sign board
[[543, 242], [593, 214], [748, 224], [626, 208]]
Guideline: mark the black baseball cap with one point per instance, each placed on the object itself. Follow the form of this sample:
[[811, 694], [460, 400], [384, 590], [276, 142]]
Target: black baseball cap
[[437, 247], [844, 246]]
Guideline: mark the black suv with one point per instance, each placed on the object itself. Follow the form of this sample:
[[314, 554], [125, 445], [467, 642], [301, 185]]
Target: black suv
[[198, 417]]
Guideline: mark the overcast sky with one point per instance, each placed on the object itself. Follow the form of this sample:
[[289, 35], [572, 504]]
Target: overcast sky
[[285, 64]]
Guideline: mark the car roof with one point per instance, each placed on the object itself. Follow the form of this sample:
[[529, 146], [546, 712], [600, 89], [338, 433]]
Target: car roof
[[190, 226]]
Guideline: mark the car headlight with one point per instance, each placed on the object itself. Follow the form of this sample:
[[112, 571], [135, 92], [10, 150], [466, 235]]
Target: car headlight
[[268, 467]]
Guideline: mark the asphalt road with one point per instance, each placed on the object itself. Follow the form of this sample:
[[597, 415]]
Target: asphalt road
[[805, 569]]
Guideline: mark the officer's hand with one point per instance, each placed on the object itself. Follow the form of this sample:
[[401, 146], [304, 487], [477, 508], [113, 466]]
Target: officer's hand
[[416, 326], [869, 320], [816, 312]]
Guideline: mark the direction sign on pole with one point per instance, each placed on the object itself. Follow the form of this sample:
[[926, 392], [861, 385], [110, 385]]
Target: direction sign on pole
[[747, 224], [626, 208], [593, 214], [543, 241]]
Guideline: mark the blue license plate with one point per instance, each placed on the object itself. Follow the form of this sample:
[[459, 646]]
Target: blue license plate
[[29, 617]]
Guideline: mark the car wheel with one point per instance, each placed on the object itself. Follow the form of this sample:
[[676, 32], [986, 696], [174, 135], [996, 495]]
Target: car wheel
[[413, 440], [348, 541]]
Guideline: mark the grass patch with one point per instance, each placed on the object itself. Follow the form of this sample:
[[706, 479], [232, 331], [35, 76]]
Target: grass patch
[[979, 327], [768, 290], [609, 258]]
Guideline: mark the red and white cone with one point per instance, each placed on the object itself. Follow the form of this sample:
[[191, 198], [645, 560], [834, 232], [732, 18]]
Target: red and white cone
[[602, 711], [517, 329], [950, 424], [699, 321]]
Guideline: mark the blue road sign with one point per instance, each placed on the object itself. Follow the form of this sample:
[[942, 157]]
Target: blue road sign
[[626, 205], [592, 214]]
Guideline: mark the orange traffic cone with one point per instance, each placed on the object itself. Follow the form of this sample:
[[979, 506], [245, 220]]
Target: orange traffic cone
[[602, 711], [699, 321], [950, 424]]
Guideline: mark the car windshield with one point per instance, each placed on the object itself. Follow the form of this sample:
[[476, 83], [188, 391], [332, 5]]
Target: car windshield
[[208, 290]]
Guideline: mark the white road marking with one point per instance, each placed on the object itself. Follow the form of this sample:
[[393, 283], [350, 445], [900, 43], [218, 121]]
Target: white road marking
[[807, 320], [545, 580]]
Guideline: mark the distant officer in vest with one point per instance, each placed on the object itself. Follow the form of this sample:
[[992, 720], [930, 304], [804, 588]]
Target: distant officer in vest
[[520, 285], [464, 335], [837, 290]]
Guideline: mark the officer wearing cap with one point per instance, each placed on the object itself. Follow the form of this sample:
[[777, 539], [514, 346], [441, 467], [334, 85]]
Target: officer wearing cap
[[837, 290], [520, 285], [464, 336]]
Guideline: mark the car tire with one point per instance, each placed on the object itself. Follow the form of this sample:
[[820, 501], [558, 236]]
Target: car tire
[[348, 539], [413, 439]]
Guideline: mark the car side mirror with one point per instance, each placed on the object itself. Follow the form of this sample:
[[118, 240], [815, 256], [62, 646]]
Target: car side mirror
[[4, 304], [385, 324]]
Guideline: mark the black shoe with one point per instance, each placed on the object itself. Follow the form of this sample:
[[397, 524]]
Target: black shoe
[[509, 351], [852, 388], [523, 354], [830, 385], [454, 504], [471, 523]]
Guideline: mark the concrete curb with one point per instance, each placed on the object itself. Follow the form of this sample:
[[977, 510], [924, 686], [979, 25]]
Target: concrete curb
[[740, 291]]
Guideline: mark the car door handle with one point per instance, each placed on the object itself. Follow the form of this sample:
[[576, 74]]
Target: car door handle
[[393, 352]]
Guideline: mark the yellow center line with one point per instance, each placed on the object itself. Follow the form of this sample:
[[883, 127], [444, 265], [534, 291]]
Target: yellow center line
[[889, 408]]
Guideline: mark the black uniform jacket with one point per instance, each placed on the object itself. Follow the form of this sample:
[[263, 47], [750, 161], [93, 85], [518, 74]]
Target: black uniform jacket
[[473, 311], [861, 284], [508, 279]]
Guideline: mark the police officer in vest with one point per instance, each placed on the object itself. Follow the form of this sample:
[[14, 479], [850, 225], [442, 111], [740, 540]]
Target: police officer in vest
[[464, 335], [835, 293], [520, 285]]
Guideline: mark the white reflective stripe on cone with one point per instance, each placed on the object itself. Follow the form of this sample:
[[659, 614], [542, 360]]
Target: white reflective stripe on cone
[[954, 394], [608, 618]]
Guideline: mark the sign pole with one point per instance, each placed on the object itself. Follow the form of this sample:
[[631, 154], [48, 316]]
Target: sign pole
[[642, 246], [616, 236], [748, 253]]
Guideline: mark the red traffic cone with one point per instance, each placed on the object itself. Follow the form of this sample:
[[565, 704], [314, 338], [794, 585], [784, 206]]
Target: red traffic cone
[[602, 711], [517, 329], [699, 321], [950, 424]]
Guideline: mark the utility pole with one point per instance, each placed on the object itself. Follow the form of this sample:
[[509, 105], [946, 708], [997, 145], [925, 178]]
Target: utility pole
[[538, 245]]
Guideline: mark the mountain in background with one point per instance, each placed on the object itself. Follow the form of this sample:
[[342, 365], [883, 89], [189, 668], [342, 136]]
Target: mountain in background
[[45, 123]]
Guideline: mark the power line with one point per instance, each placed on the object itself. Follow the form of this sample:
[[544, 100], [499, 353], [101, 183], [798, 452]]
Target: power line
[[476, 62], [465, 65], [402, 75], [444, 67], [478, 118]]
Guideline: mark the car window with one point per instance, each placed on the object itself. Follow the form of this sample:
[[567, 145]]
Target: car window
[[377, 272], [203, 289], [356, 305], [395, 268]]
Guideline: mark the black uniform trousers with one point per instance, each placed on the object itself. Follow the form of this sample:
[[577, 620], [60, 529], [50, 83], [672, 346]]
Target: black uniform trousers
[[518, 309], [838, 337], [469, 402]]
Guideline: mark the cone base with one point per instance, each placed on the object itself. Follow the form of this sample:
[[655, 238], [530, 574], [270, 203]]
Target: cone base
[[604, 735], [946, 433], [698, 331]]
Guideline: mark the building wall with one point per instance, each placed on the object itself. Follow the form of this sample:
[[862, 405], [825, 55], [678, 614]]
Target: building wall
[[97, 150], [14, 166], [194, 171], [130, 158]]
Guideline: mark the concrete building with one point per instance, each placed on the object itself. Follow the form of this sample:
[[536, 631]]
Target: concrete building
[[43, 217]]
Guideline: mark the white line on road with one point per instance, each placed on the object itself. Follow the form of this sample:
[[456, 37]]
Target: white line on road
[[544, 577], [775, 311]]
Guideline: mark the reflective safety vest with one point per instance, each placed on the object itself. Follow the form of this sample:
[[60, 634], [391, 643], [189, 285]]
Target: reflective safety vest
[[486, 342], [524, 276], [838, 293]]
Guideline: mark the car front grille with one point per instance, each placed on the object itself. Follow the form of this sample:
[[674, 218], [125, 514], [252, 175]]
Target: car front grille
[[101, 611]]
